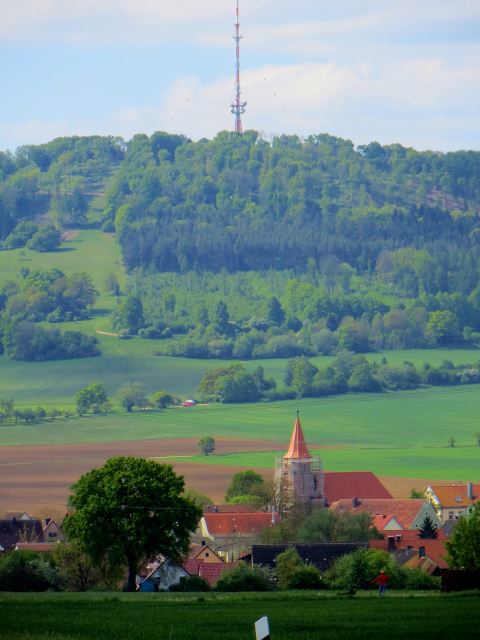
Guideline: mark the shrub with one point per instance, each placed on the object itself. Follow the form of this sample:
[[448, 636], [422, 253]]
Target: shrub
[[25, 571], [190, 583], [245, 578], [306, 577], [418, 579]]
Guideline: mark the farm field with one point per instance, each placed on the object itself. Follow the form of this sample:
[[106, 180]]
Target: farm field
[[231, 616], [55, 383], [403, 420], [402, 437]]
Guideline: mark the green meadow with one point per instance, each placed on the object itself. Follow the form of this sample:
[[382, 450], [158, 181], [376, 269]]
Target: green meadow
[[291, 615], [403, 433], [399, 434]]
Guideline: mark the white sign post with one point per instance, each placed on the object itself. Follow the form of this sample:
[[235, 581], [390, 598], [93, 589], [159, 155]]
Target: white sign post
[[261, 629]]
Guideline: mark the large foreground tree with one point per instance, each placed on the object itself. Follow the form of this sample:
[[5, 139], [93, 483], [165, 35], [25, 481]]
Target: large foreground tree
[[129, 510]]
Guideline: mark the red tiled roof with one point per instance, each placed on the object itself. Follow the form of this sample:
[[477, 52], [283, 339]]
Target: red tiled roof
[[381, 521], [228, 508], [434, 548], [298, 449], [224, 524], [339, 485], [405, 511], [455, 495], [210, 572], [196, 549]]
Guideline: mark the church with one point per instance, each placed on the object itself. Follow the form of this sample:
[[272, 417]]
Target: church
[[300, 479]]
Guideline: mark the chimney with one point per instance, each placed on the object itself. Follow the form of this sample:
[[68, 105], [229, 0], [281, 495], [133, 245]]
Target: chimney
[[470, 490], [391, 543], [421, 552]]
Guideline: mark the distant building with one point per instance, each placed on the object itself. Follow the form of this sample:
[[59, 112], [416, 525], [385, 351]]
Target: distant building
[[408, 514], [299, 479], [451, 501], [298, 475]]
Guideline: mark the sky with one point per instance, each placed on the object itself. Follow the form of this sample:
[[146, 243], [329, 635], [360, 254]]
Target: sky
[[402, 71]]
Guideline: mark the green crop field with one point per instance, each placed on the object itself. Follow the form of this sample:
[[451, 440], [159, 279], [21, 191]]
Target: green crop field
[[232, 616], [401, 434], [55, 383]]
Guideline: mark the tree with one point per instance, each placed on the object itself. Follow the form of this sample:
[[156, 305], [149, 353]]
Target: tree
[[443, 327], [46, 239], [220, 318], [414, 494], [132, 395], [451, 442], [162, 399], [275, 312], [131, 509], [207, 445], [92, 397], [112, 284], [328, 526], [240, 386], [477, 438], [247, 483], [428, 529], [287, 563], [464, 544], [129, 315]]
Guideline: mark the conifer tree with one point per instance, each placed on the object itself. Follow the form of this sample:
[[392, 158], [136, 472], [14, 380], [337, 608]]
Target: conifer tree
[[428, 529]]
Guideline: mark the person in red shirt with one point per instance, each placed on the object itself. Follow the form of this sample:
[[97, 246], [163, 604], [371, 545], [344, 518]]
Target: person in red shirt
[[382, 580]]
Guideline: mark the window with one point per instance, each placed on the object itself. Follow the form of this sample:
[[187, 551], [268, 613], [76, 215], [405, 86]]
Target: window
[[450, 515], [52, 534]]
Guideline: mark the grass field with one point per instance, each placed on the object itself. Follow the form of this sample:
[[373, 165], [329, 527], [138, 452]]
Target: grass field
[[403, 434], [55, 383], [232, 616]]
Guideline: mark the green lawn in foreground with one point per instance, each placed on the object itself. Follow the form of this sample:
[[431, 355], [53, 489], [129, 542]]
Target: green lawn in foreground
[[292, 615]]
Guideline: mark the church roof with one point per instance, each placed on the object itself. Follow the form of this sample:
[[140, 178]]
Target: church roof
[[298, 449]]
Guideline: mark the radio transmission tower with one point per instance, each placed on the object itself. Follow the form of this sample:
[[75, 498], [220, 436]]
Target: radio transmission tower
[[238, 107]]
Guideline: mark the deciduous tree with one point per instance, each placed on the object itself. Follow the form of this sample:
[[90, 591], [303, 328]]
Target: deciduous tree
[[129, 510]]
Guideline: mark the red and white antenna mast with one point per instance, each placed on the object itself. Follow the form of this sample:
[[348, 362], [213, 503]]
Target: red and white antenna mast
[[238, 107]]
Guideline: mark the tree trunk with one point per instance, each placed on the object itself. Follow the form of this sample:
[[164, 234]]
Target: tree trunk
[[132, 572]]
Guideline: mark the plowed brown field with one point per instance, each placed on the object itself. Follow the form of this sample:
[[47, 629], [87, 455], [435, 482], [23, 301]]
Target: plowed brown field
[[37, 479]]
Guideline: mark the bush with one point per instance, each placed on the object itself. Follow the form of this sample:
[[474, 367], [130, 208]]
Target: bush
[[245, 578], [306, 577], [190, 583], [46, 239], [25, 571], [418, 579]]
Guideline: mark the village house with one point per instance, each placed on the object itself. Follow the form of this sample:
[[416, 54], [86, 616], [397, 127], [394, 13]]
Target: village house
[[451, 501], [161, 573], [231, 534], [408, 514], [22, 532], [411, 551]]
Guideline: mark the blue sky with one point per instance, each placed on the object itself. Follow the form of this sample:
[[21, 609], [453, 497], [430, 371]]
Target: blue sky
[[389, 70]]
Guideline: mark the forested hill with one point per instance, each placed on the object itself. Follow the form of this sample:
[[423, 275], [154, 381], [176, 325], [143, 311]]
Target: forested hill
[[240, 203]]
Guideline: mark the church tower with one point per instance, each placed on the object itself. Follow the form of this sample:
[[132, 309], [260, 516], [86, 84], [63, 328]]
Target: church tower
[[298, 476]]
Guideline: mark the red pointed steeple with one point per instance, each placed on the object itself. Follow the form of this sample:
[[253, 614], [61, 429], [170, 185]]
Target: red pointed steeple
[[298, 449]]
